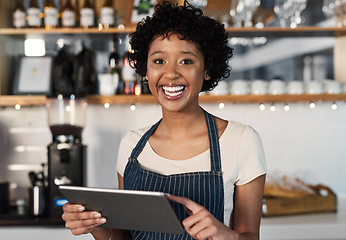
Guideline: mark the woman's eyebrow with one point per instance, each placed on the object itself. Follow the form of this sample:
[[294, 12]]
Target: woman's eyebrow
[[156, 52], [183, 52], [189, 53]]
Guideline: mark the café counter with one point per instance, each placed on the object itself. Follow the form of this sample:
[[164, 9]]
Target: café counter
[[324, 226]]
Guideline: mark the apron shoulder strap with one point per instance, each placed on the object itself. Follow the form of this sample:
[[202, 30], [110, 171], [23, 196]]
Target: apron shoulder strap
[[215, 156], [141, 143]]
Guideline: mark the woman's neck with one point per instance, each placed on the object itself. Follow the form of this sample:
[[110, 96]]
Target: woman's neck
[[182, 123]]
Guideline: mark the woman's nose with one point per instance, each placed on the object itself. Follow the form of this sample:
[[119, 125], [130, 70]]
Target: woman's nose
[[172, 71]]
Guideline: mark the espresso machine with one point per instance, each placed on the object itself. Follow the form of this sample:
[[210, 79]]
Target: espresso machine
[[67, 154]]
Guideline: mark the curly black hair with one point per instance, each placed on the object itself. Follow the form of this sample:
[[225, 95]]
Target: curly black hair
[[190, 24]]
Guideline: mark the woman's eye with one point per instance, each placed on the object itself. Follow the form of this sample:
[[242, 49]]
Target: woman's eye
[[158, 61], [187, 61]]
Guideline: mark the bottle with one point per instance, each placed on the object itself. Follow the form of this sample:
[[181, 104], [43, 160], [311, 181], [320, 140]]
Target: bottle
[[87, 14], [19, 15], [128, 74], [34, 15], [68, 15], [114, 66], [107, 14], [50, 15]]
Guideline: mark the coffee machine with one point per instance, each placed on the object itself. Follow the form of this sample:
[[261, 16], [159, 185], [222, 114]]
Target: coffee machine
[[66, 154]]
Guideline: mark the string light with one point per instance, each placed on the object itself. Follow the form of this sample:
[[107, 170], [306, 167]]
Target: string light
[[287, 107], [132, 107], [221, 105], [262, 107], [100, 26], [334, 106], [17, 106], [138, 90], [312, 105], [121, 26], [106, 105], [272, 108]]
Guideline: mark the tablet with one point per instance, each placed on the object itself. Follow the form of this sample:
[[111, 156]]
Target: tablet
[[127, 209]]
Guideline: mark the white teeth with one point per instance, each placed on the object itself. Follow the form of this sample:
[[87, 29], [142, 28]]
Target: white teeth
[[173, 91]]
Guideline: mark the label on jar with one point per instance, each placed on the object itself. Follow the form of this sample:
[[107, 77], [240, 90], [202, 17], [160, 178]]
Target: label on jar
[[68, 19], [87, 17], [34, 17], [51, 16], [19, 19], [107, 16]]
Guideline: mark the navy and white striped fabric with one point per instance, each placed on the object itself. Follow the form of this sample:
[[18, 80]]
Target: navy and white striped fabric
[[205, 188]]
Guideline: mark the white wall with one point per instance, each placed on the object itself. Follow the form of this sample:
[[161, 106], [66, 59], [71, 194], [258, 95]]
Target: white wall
[[303, 142]]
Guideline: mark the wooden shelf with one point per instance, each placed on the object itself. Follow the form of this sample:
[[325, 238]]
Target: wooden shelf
[[123, 99], [29, 100], [24, 31], [249, 31], [149, 99], [308, 31], [286, 98], [120, 99]]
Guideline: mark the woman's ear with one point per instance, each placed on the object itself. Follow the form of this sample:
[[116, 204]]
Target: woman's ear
[[206, 76]]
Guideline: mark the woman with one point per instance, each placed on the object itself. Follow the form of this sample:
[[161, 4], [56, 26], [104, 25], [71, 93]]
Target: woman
[[212, 170]]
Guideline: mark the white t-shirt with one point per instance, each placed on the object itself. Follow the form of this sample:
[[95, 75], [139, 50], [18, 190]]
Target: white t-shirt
[[242, 159]]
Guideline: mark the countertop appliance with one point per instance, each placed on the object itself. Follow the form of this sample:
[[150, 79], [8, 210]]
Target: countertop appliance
[[66, 154]]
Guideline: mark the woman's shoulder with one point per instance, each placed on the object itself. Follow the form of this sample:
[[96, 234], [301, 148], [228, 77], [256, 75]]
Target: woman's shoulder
[[235, 125], [133, 136], [240, 130]]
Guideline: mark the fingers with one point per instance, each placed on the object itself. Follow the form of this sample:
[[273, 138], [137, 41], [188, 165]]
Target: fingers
[[201, 224], [68, 207], [204, 225], [83, 230], [80, 221], [197, 222], [190, 206]]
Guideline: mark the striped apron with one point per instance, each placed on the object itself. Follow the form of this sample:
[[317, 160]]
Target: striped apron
[[204, 188]]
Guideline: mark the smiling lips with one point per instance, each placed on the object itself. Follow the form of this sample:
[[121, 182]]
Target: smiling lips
[[173, 91]]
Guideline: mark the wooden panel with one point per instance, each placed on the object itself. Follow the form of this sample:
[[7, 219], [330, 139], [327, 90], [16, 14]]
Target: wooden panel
[[339, 59], [224, 5], [14, 31], [120, 99], [286, 98], [303, 205], [250, 31], [23, 100], [131, 99], [4, 66], [5, 18], [4, 22], [280, 206]]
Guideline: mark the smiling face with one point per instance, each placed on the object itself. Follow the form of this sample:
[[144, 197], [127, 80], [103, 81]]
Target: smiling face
[[175, 72]]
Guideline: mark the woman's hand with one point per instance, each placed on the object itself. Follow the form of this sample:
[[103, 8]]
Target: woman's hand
[[80, 221], [201, 224]]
